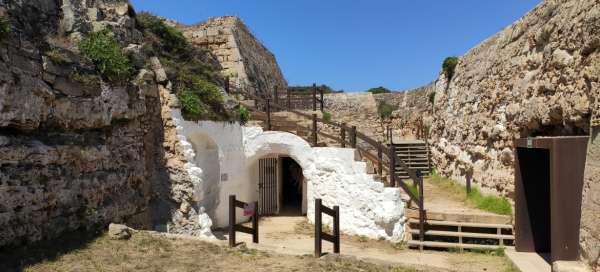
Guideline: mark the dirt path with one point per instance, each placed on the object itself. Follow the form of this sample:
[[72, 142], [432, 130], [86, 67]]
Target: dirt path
[[293, 235], [439, 198]]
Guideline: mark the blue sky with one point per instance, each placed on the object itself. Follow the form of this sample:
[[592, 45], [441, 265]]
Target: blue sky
[[357, 44]]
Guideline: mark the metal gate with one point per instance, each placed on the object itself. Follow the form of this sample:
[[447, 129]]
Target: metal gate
[[267, 186]]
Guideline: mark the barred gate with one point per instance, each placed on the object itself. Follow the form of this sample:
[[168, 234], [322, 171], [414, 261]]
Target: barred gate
[[267, 185]]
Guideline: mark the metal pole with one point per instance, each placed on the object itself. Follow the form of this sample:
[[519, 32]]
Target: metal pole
[[314, 129], [318, 227], [268, 114], [232, 221]]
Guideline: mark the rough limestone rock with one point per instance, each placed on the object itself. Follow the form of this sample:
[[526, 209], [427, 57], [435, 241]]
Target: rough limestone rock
[[565, 266], [119, 232], [243, 57], [532, 79]]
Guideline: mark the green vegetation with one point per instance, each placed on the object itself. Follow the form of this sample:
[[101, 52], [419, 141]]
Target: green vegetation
[[413, 189], [379, 90], [169, 38], [4, 28], [104, 50], [449, 65], [384, 110], [327, 116], [244, 115], [431, 97], [89, 80], [195, 80], [490, 203]]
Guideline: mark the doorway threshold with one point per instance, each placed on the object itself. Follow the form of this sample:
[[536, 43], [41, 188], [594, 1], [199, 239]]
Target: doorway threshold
[[529, 261]]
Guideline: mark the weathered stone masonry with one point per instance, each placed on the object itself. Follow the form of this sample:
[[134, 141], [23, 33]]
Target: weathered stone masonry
[[245, 59]]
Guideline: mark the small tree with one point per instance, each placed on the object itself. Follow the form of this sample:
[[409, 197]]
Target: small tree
[[384, 110], [244, 115], [449, 66]]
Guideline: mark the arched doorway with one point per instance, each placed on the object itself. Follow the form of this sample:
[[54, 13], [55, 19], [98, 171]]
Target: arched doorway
[[281, 186]]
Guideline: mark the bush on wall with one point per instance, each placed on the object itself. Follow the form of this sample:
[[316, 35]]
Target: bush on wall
[[449, 66], [105, 52]]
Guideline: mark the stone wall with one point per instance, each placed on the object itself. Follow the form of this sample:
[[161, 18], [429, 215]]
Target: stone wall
[[412, 111], [535, 78], [243, 57], [79, 156]]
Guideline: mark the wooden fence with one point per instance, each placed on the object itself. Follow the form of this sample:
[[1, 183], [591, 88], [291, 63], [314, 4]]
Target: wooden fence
[[249, 209], [319, 234]]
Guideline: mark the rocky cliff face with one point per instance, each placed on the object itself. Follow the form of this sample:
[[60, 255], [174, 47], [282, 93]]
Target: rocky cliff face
[[74, 155], [538, 77], [243, 58]]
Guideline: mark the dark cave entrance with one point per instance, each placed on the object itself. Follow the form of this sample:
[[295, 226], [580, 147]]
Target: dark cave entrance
[[292, 187]]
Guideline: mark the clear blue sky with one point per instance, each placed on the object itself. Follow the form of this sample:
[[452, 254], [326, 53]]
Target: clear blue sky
[[357, 44]]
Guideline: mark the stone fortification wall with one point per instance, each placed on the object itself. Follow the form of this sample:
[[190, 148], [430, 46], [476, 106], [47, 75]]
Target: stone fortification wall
[[243, 57]]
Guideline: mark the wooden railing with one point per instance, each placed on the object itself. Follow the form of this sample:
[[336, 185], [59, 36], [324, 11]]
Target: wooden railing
[[249, 209], [384, 158], [334, 238]]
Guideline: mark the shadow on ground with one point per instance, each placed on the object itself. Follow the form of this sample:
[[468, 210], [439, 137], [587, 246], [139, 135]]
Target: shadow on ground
[[20, 257]]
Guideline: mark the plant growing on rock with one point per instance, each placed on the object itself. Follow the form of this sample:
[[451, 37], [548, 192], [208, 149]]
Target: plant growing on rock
[[449, 66], [104, 50], [4, 28], [385, 110], [431, 97], [171, 39], [244, 115], [191, 106], [327, 116]]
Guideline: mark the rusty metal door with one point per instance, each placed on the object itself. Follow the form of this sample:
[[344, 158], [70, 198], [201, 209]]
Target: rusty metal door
[[267, 186]]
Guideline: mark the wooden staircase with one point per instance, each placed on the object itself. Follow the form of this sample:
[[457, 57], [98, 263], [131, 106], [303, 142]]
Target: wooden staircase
[[461, 231], [415, 155]]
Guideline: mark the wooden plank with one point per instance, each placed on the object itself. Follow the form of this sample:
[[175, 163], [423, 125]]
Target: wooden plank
[[462, 224], [244, 229], [328, 237], [452, 245], [465, 234], [328, 211]]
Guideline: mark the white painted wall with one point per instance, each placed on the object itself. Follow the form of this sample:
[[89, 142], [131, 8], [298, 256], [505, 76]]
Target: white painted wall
[[366, 207]]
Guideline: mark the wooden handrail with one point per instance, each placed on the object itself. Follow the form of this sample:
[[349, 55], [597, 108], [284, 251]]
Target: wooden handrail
[[386, 151]]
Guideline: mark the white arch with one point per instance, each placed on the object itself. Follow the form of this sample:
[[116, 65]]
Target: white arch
[[259, 145]]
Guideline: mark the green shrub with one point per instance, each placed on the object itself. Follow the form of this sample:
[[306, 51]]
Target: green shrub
[[432, 97], [104, 50], [4, 28], [191, 105], [327, 116], [207, 91], [244, 115], [449, 65], [384, 110], [379, 90], [172, 40]]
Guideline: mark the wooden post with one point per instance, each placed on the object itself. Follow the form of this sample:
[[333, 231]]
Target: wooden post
[[392, 156], [289, 99], [318, 228], [421, 211], [321, 101], [379, 159], [468, 184], [268, 114], [255, 224], [276, 93], [314, 96], [232, 221], [353, 137], [336, 229], [227, 87], [343, 135], [314, 130]]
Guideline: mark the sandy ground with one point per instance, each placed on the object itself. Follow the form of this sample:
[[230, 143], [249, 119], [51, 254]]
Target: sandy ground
[[293, 235]]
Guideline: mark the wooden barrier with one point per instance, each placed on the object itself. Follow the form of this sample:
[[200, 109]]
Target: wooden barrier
[[233, 227], [319, 234]]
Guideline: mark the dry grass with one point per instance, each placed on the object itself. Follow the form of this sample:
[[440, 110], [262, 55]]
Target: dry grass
[[150, 252]]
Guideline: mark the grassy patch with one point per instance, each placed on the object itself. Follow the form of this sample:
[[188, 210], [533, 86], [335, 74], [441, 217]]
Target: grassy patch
[[413, 189], [327, 116], [104, 50], [170, 39], [490, 203]]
